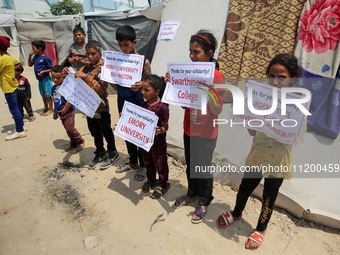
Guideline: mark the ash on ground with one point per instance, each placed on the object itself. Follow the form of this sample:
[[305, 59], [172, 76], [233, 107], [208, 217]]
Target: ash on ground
[[61, 191]]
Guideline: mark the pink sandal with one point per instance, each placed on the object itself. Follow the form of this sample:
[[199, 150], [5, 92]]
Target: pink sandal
[[228, 218]]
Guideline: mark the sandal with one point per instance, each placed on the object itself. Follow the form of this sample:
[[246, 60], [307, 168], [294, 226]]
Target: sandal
[[32, 118], [181, 201], [159, 191], [256, 237], [149, 185], [124, 168], [140, 172], [227, 218], [199, 211]]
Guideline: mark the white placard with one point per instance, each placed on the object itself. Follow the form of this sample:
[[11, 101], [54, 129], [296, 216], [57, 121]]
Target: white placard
[[78, 93], [122, 69], [168, 30], [188, 82], [137, 125], [284, 129]]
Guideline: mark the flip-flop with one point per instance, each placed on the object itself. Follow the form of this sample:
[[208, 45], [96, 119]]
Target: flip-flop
[[180, 201], [140, 172], [200, 212], [257, 238], [149, 185], [228, 218], [159, 192], [124, 168]]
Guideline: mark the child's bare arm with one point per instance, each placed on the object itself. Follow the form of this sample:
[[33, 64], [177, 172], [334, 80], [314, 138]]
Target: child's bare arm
[[65, 109], [44, 71], [80, 74], [30, 61], [55, 114], [215, 108], [147, 67], [161, 130]]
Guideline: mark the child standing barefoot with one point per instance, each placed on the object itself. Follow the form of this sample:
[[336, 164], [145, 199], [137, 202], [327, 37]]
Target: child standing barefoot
[[42, 68], [282, 72], [156, 159]]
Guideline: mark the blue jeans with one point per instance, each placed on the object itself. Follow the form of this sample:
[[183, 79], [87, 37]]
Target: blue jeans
[[13, 106]]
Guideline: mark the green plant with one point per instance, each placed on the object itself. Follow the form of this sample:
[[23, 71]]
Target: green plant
[[66, 7]]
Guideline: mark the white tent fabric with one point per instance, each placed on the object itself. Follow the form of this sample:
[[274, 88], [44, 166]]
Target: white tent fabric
[[310, 197], [7, 20]]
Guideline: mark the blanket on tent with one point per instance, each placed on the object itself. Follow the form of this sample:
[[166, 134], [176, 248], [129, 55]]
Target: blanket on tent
[[318, 52], [256, 31]]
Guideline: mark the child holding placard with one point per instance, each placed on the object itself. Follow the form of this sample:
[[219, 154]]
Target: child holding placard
[[65, 110], [200, 134], [282, 71], [100, 124], [126, 37], [156, 159]]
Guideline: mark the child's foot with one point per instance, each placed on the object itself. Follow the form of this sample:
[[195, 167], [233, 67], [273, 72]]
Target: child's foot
[[69, 148], [159, 191], [183, 200], [80, 146], [112, 157], [32, 118], [225, 219], [149, 185], [126, 167], [140, 174], [43, 111], [16, 135], [49, 112], [199, 214], [255, 240]]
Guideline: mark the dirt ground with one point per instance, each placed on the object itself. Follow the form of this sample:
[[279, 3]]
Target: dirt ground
[[50, 202]]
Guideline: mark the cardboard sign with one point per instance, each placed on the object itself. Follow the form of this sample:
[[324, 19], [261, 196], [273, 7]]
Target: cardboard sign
[[187, 83], [168, 30], [283, 128], [137, 125], [78, 93], [122, 69]]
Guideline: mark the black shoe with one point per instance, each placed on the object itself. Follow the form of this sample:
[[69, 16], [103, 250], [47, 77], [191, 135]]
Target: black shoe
[[98, 158], [112, 157]]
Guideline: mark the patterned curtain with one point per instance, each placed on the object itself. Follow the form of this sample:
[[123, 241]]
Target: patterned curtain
[[256, 31]]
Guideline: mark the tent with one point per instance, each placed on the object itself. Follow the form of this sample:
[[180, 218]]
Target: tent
[[56, 32], [7, 22], [312, 196]]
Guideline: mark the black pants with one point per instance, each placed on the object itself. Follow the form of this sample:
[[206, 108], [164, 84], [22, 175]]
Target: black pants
[[100, 128], [135, 154], [24, 102], [198, 152], [270, 192]]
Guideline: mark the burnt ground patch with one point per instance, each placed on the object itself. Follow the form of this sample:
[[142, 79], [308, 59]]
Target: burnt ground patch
[[61, 190]]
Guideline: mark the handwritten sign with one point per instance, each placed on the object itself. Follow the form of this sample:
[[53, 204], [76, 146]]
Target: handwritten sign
[[168, 30], [122, 69], [186, 81], [283, 128], [137, 125], [78, 93]]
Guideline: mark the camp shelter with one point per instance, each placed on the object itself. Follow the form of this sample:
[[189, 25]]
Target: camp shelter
[[55, 31], [311, 196], [102, 26], [7, 27]]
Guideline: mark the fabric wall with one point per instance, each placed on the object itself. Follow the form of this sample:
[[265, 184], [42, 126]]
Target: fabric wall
[[256, 31], [318, 52]]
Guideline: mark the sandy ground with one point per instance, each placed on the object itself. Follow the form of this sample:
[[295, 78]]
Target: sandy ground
[[50, 202]]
